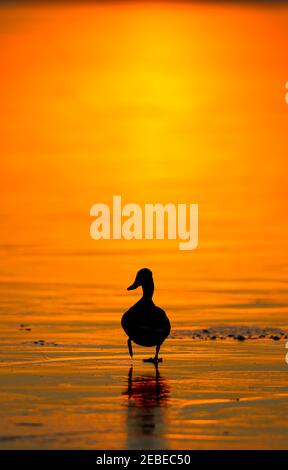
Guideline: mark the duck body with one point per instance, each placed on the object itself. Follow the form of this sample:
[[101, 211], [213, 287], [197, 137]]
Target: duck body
[[144, 323]]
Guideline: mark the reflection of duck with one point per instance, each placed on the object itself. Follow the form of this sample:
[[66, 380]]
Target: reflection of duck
[[147, 391], [144, 323], [147, 396]]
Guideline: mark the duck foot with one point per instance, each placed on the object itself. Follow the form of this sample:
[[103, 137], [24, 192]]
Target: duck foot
[[155, 360]]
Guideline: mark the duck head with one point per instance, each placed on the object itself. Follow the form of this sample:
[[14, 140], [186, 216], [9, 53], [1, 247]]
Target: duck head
[[144, 279]]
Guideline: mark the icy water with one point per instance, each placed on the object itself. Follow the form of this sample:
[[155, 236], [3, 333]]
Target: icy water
[[67, 380]]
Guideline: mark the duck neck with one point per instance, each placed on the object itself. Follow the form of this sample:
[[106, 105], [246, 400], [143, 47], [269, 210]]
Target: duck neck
[[148, 290]]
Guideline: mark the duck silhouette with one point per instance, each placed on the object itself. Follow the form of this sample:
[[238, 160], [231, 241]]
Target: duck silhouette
[[145, 323]]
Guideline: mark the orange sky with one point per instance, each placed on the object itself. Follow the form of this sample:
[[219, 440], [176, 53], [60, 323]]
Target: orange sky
[[156, 102]]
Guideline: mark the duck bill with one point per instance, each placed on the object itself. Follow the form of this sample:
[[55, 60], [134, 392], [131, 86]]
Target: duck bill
[[133, 286]]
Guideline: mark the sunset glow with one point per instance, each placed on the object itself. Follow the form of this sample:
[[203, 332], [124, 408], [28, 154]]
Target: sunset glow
[[180, 103]]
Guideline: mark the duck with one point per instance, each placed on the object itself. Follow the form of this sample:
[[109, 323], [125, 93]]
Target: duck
[[144, 323]]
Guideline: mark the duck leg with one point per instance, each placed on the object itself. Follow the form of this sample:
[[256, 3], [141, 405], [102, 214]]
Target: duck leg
[[130, 347], [155, 359]]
